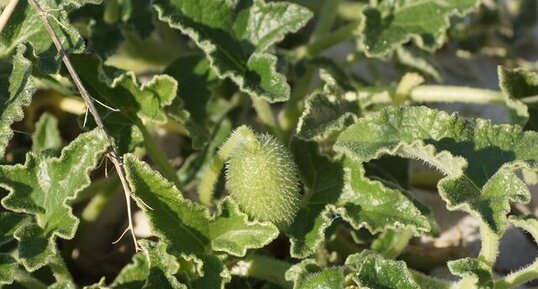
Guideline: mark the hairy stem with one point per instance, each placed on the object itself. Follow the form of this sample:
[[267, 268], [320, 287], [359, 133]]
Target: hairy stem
[[59, 269], [518, 278], [439, 93], [158, 157], [489, 246], [27, 280], [241, 136], [263, 268], [321, 44], [6, 13], [111, 154]]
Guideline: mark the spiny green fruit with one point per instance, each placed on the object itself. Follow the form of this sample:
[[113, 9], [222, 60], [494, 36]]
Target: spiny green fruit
[[262, 178]]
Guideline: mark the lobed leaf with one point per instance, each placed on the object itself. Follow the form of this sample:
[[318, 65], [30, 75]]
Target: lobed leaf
[[323, 181], [327, 112], [234, 35], [43, 187], [370, 204], [393, 23], [473, 271], [9, 222], [16, 90], [162, 267], [371, 270], [195, 78], [121, 91], [233, 233], [478, 158], [185, 226], [517, 84], [134, 274], [24, 26]]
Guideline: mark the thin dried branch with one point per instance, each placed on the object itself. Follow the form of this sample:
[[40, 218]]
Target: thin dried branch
[[88, 99], [6, 13]]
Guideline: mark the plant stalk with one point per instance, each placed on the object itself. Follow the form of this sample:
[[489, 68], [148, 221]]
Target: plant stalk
[[111, 154], [518, 278], [157, 156], [27, 280]]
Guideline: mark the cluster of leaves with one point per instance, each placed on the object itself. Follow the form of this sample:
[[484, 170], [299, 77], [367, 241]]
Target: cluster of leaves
[[209, 66]]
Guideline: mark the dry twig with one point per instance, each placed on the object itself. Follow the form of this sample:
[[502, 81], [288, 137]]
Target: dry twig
[[112, 155]]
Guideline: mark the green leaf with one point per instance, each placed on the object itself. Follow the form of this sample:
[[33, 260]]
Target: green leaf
[[309, 275], [478, 158], [331, 278], [25, 26], [370, 204], [195, 78], [121, 91], [9, 222], [327, 112], [133, 275], [393, 23], [323, 181], [162, 267], [43, 187], [8, 265], [371, 270], [16, 90], [517, 84], [46, 136], [234, 36], [108, 23], [528, 223], [233, 233], [185, 226], [180, 223], [473, 271], [215, 274]]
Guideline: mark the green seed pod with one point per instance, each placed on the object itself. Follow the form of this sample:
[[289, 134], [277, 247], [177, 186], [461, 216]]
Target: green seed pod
[[262, 178]]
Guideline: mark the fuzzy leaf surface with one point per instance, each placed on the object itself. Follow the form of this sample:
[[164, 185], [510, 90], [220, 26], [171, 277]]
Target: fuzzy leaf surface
[[327, 112], [515, 85], [393, 23], [473, 272], [47, 135], [24, 26], [479, 159], [43, 187], [370, 204], [180, 223], [195, 78], [9, 222], [121, 90], [134, 274], [235, 35], [186, 227], [371, 270], [323, 180], [233, 233], [331, 278], [8, 265], [16, 90]]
